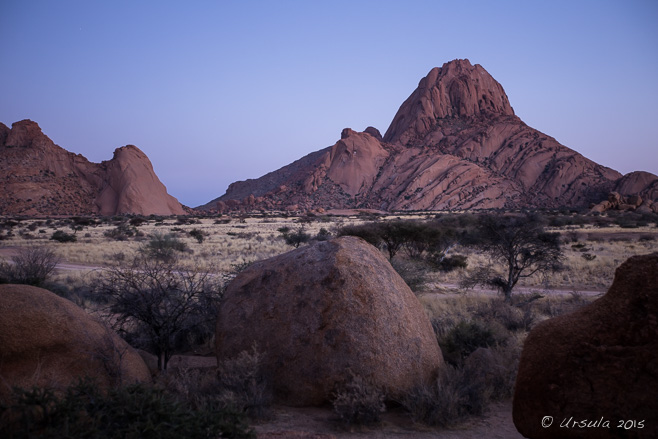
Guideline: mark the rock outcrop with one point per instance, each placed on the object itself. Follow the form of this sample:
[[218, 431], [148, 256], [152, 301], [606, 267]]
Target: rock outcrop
[[455, 143], [46, 340], [324, 311], [634, 191], [598, 363], [38, 177]]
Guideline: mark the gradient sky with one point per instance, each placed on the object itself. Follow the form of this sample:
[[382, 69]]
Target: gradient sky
[[219, 91]]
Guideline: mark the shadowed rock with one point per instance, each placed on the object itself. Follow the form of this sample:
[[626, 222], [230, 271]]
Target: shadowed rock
[[600, 362], [324, 311], [46, 340]]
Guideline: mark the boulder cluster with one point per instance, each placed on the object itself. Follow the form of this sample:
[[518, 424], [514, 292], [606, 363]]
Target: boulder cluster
[[635, 191]]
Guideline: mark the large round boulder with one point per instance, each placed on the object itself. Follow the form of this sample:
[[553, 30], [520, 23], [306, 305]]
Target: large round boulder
[[48, 341], [594, 372], [324, 312]]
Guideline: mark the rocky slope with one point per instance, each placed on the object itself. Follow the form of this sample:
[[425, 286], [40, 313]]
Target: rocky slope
[[455, 143], [38, 177]]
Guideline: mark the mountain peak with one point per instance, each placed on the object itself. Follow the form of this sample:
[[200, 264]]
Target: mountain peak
[[458, 89], [26, 134], [455, 143]]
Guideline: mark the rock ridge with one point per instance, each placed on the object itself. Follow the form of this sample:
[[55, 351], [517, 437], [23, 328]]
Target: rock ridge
[[38, 177]]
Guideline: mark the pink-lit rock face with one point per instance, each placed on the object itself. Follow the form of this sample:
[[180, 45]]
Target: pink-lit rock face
[[456, 90], [455, 143], [38, 177], [132, 186]]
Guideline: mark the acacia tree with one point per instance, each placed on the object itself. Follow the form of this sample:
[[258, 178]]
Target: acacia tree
[[160, 300], [521, 244]]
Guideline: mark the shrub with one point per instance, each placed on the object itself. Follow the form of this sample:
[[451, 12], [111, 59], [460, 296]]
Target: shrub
[[414, 273], [197, 234], [132, 411], [323, 235], [137, 221], [465, 390], [122, 232], [243, 383], [163, 247], [368, 232], [358, 402], [465, 338], [496, 367], [440, 403], [31, 266], [450, 263], [296, 238], [517, 317], [62, 236]]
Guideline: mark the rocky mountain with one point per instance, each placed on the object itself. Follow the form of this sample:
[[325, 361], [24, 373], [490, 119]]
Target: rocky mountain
[[455, 143], [38, 177]]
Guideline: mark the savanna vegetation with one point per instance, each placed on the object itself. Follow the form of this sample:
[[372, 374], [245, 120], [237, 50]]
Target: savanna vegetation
[[484, 279]]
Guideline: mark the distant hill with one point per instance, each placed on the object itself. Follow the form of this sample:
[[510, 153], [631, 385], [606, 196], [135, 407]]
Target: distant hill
[[38, 177], [455, 143]]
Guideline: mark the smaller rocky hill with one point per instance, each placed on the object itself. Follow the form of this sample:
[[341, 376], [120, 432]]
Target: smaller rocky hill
[[38, 177]]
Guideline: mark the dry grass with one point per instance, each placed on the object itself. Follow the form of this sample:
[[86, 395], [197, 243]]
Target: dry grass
[[589, 263], [591, 255], [224, 245]]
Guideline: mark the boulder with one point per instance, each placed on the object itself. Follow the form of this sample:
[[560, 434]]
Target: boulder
[[634, 200], [599, 363], [640, 183], [46, 340], [323, 312], [601, 207], [615, 199], [374, 132]]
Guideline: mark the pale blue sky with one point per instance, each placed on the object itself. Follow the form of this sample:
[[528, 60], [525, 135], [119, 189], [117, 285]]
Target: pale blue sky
[[218, 91]]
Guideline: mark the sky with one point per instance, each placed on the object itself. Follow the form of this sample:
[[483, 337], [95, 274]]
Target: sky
[[219, 91]]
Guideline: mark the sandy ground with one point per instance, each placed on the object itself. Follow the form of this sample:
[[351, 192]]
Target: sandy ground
[[321, 423]]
